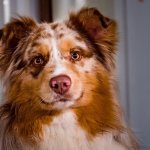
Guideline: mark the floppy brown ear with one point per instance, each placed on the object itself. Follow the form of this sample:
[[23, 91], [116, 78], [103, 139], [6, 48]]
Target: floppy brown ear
[[99, 29], [11, 35], [14, 31]]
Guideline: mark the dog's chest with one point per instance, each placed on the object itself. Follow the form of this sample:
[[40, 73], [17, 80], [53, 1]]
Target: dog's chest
[[64, 133]]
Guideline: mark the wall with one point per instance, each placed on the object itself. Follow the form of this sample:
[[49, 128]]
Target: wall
[[24, 8], [62, 8], [30, 8], [1, 25], [138, 53], [1, 12]]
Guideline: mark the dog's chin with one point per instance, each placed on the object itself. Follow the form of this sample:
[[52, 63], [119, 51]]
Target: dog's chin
[[63, 104]]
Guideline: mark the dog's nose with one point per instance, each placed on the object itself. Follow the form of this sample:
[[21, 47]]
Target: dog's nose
[[60, 84]]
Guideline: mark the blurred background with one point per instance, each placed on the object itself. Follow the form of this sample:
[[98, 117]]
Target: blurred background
[[133, 59]]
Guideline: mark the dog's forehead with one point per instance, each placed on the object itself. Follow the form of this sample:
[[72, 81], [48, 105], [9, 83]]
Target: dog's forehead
[[60, 29], [60, 32], [57, 36], [55, 30]]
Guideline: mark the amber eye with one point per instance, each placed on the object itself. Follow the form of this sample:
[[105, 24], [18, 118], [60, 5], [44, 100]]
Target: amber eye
[[38, 61], [76, 55]]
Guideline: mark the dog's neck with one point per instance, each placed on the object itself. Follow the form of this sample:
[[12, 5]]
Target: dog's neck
[[62, 132], [91, 118]]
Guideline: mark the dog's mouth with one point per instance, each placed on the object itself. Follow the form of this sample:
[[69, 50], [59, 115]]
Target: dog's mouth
[[61, 100]]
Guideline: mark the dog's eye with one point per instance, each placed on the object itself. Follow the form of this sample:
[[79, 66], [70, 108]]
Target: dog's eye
[[38, 61], [76, 55]]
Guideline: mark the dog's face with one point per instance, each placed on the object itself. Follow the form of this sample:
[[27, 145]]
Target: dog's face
[[56, 65]]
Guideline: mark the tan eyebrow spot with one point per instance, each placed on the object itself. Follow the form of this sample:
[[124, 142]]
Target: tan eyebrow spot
[[41, 48], [66, 44]]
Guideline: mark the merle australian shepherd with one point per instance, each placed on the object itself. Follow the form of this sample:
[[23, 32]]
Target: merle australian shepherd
[[59, 87]]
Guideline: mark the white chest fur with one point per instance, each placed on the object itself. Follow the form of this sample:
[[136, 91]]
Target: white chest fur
[[64, 133]]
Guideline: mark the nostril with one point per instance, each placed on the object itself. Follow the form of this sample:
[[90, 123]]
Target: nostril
[[65, 86], [56, 86], [60, 84], [66, 83]]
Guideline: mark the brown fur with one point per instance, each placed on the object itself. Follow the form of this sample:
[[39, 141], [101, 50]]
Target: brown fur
[[101, 114], [11, 36]]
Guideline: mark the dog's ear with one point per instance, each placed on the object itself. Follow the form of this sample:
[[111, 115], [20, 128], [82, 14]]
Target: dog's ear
[[14, 31], [10, 36], [100, 29]]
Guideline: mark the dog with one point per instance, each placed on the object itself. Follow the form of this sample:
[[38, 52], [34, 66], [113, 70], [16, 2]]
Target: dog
[[59, 85]]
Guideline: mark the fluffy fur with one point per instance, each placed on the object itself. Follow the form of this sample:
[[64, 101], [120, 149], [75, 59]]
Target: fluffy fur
[[88, 116]]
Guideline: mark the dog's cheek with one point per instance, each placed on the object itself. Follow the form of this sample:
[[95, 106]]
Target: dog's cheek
[[95, 82], [24, 86], [83, 77]]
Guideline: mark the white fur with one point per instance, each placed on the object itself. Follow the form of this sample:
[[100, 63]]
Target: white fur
[[88, 65], [59, 69], [64, 133]]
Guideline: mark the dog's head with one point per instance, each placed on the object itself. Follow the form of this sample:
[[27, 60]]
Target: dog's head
[[57, 65]]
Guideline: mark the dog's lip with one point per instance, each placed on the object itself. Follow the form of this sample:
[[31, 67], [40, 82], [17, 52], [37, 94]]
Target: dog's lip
[[60, 99], [56, 101]]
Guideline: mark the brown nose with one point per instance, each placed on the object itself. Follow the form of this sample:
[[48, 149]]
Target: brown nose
[[60, 84]]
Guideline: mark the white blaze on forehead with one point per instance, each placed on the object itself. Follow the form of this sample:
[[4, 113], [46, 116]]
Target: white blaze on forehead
[[55, 50], [56, 58]]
